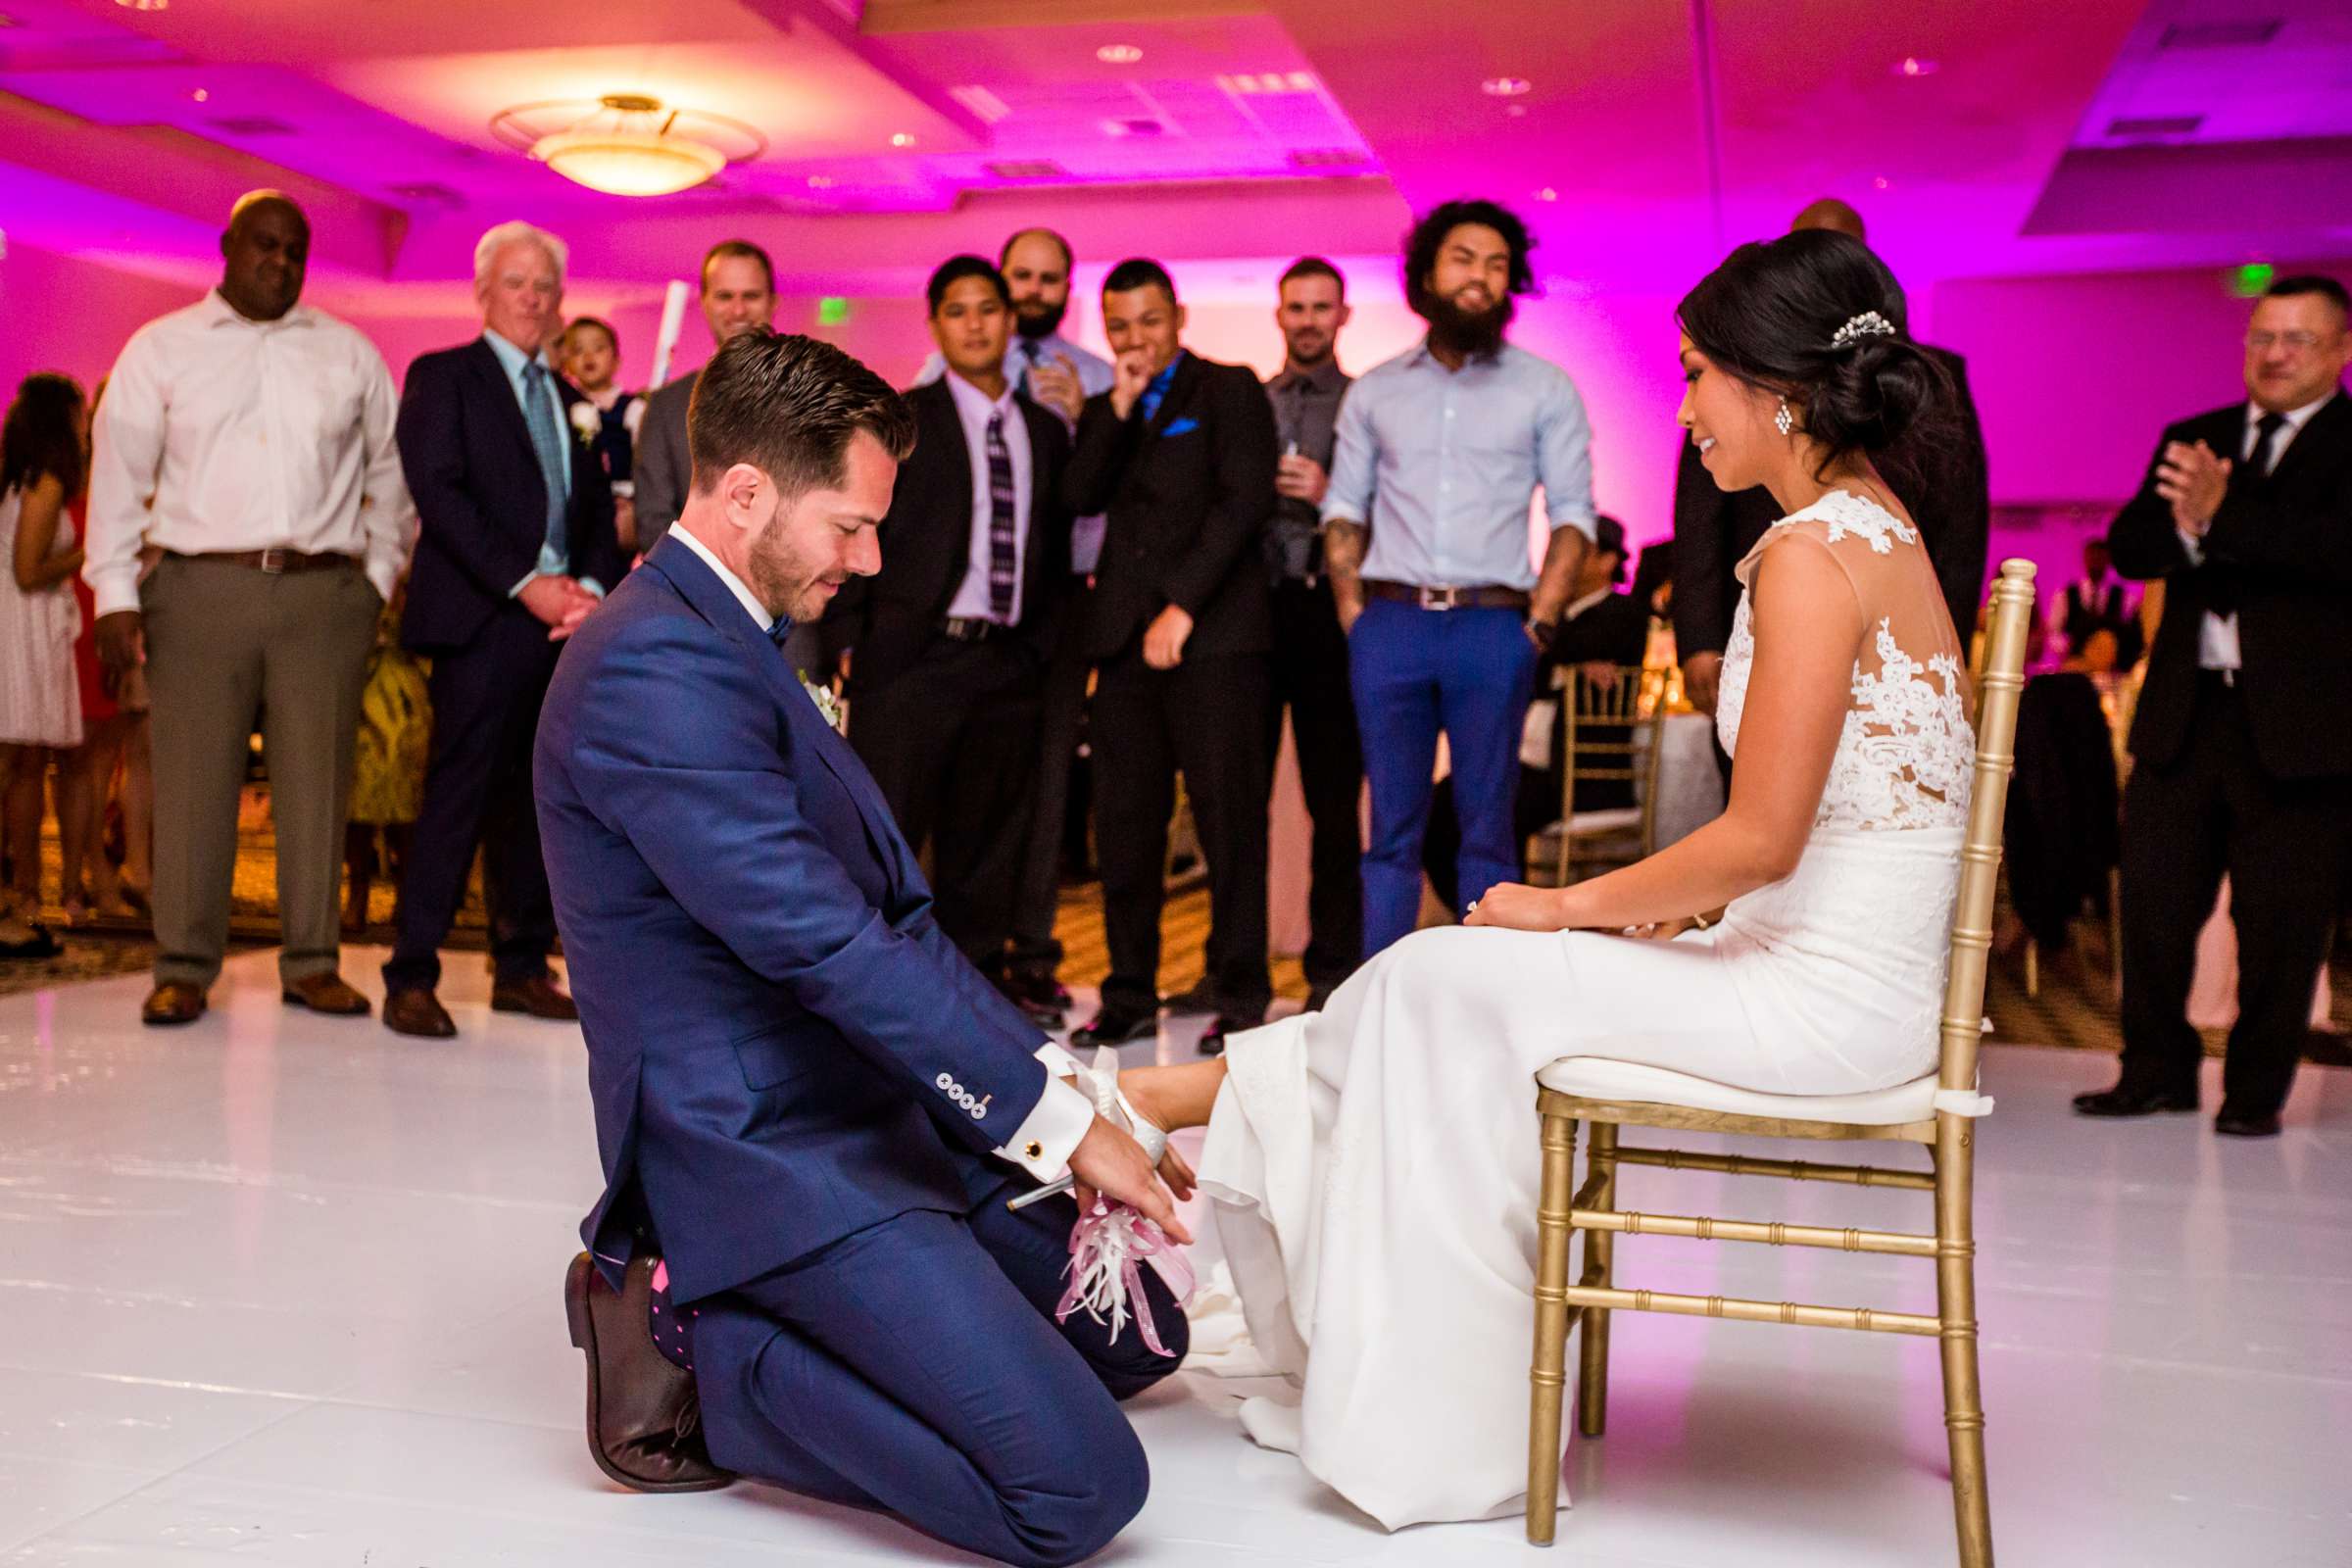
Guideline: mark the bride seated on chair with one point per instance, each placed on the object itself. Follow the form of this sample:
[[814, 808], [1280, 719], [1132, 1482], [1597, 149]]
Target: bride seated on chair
[[1372, 1165]]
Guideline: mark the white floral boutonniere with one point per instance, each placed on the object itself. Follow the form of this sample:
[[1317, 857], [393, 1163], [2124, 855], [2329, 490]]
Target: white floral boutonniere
[[587, 423], [828, 706]]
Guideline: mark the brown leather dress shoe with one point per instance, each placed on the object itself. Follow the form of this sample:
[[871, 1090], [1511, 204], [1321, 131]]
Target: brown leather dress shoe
[[175, 1002], [536, 995], [644, 1417], [327, 993], [414, 1011]]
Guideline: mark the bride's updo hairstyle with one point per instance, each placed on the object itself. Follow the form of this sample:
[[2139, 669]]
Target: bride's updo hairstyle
[[1807, 317]]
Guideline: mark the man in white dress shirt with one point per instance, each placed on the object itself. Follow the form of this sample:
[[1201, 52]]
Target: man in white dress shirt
[[248, 439], [950, 643], [1057, 375], [2242, 762]]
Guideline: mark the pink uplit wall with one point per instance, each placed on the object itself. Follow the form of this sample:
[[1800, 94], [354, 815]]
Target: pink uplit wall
[[59, 312]]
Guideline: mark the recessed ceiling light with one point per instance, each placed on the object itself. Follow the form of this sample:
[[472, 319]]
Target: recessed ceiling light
[[902, 138], [200, 95], [1913, 66], [1878, 183], [1119, 53], [1505, 86], [144, 5], [820, 181], [1548, 194]]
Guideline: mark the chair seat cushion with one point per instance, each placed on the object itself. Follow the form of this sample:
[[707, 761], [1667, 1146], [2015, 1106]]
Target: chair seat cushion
[[1598, 1078]]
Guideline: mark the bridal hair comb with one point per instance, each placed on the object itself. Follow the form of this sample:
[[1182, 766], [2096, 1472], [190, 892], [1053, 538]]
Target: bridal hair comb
[[1869, 323]]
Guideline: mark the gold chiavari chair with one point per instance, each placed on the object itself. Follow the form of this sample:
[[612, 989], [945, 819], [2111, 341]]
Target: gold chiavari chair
[[1937, 1111], [1612, 732]]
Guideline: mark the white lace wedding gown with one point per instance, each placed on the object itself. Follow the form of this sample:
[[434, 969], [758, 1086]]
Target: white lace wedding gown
[[1374, 1166]]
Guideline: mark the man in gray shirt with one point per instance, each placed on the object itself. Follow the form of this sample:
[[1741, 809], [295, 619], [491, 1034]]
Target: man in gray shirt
[[1310, 654], [1439, 456]]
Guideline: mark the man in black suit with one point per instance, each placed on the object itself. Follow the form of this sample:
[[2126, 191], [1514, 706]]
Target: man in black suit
[[1180, 455], [1946, 492], [946, 647], [2098, 604], [2242, 763], [515, 546]]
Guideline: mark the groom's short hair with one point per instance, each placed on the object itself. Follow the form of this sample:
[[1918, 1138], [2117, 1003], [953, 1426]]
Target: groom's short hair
[[789, 406]]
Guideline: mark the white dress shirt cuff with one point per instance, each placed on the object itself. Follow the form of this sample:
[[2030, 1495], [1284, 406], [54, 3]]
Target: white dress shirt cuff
[[383, 576], [115, 589], [1043, 1143], [2192, 545]]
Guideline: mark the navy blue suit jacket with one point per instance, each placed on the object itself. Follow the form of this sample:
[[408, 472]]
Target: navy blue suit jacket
[[793, 1062], [481, 504]]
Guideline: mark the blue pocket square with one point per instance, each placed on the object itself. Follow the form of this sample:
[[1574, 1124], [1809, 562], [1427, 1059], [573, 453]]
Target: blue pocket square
[[1179, 427]]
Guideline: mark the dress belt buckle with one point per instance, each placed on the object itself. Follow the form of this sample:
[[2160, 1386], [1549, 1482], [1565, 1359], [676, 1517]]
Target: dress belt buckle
[[274, 560], [1440, 598]]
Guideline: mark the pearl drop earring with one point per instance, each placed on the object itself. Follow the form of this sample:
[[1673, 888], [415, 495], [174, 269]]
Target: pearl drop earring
[[1784, 421]]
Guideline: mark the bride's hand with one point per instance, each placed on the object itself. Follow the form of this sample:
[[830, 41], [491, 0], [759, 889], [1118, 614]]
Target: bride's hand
[[1519, 908]]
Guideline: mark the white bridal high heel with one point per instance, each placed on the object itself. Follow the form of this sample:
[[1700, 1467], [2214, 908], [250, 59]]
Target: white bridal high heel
[[1101, 1082]]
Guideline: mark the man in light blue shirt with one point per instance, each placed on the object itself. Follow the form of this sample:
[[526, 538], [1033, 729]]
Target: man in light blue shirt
[[1058, 375], [1440, 455]]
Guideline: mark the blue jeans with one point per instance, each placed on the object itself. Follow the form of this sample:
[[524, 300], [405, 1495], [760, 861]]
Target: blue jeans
[[1468, 672]]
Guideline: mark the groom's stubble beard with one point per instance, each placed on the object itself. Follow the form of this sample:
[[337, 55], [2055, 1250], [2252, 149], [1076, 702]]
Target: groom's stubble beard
[[781, 577]]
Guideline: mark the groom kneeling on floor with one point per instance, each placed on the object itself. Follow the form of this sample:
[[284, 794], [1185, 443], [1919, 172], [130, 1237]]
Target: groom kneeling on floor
[[811, 1109]]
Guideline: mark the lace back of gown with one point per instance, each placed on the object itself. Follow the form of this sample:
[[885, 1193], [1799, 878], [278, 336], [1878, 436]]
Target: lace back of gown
[[1905, 756]]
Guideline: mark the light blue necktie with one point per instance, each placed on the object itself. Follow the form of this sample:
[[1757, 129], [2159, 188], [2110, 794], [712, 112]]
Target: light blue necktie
[[548, 442]]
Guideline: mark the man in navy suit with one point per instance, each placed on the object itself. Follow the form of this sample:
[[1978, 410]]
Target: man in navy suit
[[811, 1109], [514, 546]]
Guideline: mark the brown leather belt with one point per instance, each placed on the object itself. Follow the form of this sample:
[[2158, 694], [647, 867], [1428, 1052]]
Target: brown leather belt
[[274, 560], [1484, 598]]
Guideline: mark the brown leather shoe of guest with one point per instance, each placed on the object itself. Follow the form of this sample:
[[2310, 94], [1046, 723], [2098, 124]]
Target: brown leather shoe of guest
[[644, 1417], [173, 1003], [327, 993], [415, 1010], [536, 995]]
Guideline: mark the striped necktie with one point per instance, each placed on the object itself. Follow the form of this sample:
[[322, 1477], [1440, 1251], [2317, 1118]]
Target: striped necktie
[[1004, 554], [547, 443]]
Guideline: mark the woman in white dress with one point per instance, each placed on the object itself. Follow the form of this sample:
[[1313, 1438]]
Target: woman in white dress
[[44, 461], [1374, 1166]]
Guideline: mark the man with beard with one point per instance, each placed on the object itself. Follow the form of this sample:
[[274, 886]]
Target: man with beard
[[1059, 376], [1438, 454]]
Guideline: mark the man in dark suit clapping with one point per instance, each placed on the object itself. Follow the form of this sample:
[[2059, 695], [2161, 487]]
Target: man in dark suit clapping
[[2243, 764], [514, 547], [947, 646], [1180, 455]]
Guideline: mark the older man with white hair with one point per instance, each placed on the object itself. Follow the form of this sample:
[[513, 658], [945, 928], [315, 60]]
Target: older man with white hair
[[246, 441], [514, 547]]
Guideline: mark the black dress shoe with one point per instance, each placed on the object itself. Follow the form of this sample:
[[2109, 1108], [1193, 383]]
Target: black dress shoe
[[1040, 997], [2234, 1123], [1115, 1027], [644, 1416], [1199, 998], [1212, 1043], [2124, 1100]]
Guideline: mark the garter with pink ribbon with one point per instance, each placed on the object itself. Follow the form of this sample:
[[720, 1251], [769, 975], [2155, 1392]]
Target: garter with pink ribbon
[[1109, 1246]]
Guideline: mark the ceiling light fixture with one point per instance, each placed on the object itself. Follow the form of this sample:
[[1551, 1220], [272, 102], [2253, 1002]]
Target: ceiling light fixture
[[1505, 86], [628, 144], [144, 5], [820, 181], [200, 95], [1119, 53], [1548, 194], [902, 138], [1913, 66]]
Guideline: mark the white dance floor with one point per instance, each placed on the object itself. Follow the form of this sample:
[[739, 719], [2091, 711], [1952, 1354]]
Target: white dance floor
[[277, 1289]]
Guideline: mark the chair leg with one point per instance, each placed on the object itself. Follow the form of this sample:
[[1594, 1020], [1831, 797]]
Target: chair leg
[[1956, 1307], [1548, 1378], [1592, 1364]]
